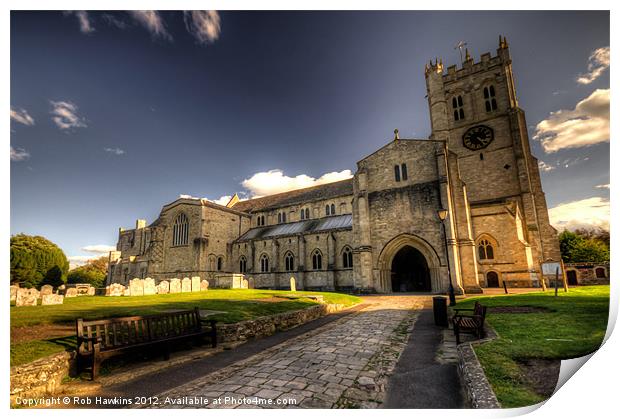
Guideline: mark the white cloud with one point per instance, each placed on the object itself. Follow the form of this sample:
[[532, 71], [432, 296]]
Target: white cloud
[[275, 181], [605, 186], [19, 154], [223, 200], [204, 25], [116, 151], [21, 116], [114, 21], [84, 21], [586, 213], [99, 248], [544, 167], [597, 64], [586, 125], [64, 115], [152, 21]]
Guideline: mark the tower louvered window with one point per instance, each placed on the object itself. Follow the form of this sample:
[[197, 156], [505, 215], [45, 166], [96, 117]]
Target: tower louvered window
[[457, 107], [180, 231], [490, 103]]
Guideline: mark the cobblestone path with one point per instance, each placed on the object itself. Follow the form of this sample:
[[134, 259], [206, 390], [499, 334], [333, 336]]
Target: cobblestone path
[[342, 364]]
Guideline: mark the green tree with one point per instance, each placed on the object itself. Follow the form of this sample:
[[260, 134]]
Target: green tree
[[94, 272], [36, 261], [584, 246]]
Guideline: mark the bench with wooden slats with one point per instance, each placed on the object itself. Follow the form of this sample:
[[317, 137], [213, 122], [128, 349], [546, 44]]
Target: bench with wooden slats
[[98, 340], [469, 323]]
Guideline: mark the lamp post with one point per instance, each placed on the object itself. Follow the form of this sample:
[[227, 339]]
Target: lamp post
[[443, 213]]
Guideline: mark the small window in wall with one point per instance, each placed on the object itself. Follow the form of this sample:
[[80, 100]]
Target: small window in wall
[[326, 209], [289, 261], [243, 264], [264, 263], [303, 214], [347, 257], [307, 213], [403, 171], [397, 173], [485, 250], [600, 273], [260, 221], [220, 263], [490, 103], [332, 207], [317, 260], [457, 107]]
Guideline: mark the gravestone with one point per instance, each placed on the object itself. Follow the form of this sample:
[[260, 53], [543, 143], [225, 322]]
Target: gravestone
[[127, 292], [14, 289], [51, 299], [293, 288], [84, 289], [26, 297], [115, 290], [149, 286], [163, 287], [47, 290], [91, 291], [186, 285], [136, 287], [175, 285], [195, 283], [71, 292], [204, 285]]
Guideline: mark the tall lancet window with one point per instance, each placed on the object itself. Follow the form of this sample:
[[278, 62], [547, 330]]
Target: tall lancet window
[[180, 231]]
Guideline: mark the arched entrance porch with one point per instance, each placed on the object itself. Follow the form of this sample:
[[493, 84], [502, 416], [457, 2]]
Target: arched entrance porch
[[410, 271]]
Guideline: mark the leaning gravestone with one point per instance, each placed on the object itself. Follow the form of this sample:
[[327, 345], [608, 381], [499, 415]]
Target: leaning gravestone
[[195, 283], [137, 287], [186, 285], [14, 289], [175, 285], [163, 287], [51, 299], [293, 288], [204, 285], [47, 290], [26, 297], [149, 286], [71, 292]]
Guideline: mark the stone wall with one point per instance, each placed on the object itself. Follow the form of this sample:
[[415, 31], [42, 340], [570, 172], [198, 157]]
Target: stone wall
[[589, 273], [477, 388], [43, 376]]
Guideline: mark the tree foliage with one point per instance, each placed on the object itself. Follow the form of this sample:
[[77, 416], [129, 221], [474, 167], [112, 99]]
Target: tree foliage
[[584, 246], [36, 261], [94, 272]]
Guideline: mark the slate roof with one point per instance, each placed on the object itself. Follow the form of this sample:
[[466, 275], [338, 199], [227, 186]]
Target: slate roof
[[298, 196], [338, 222]]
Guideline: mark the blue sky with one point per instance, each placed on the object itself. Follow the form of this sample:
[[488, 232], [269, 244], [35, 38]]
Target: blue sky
[[115, 114]]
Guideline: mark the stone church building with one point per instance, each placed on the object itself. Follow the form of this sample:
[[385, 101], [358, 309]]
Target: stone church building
[[380, 231]]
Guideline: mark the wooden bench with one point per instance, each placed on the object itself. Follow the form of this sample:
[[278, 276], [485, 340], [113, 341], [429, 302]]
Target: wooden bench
[[98, 340], [469, 323]]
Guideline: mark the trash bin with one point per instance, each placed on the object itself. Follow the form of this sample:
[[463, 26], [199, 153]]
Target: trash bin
[[440, 311]]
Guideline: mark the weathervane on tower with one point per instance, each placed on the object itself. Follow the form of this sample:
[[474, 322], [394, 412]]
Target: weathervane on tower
[[460, 47]]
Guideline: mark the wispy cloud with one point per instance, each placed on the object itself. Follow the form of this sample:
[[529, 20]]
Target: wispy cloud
[[544, 167], [153, 22], [98, 248], [86, 25], [112, 20], [204, 25], [275, 181], [597, 64], [586, 125], [117, 151], [586, 213], [21, 115], [605, 186], [65, 116], [19, 154]]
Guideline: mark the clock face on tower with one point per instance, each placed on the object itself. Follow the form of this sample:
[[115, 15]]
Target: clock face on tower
[[478, 137]]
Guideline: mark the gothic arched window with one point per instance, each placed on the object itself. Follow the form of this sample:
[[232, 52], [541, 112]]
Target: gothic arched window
[[485, 250], [303, 214], [347, 257], [490, 103], [332, 207], [289, 261], [180, 230], [457, 106], [243, 264], [317, 260], [307, 214], [220, 263], [264, 263]]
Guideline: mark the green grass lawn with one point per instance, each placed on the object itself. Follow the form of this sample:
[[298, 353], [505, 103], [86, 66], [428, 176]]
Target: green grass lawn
[[574, 326], [235, 305]]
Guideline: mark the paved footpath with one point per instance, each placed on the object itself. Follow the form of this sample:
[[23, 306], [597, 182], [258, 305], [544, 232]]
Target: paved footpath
[[338, 365]]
